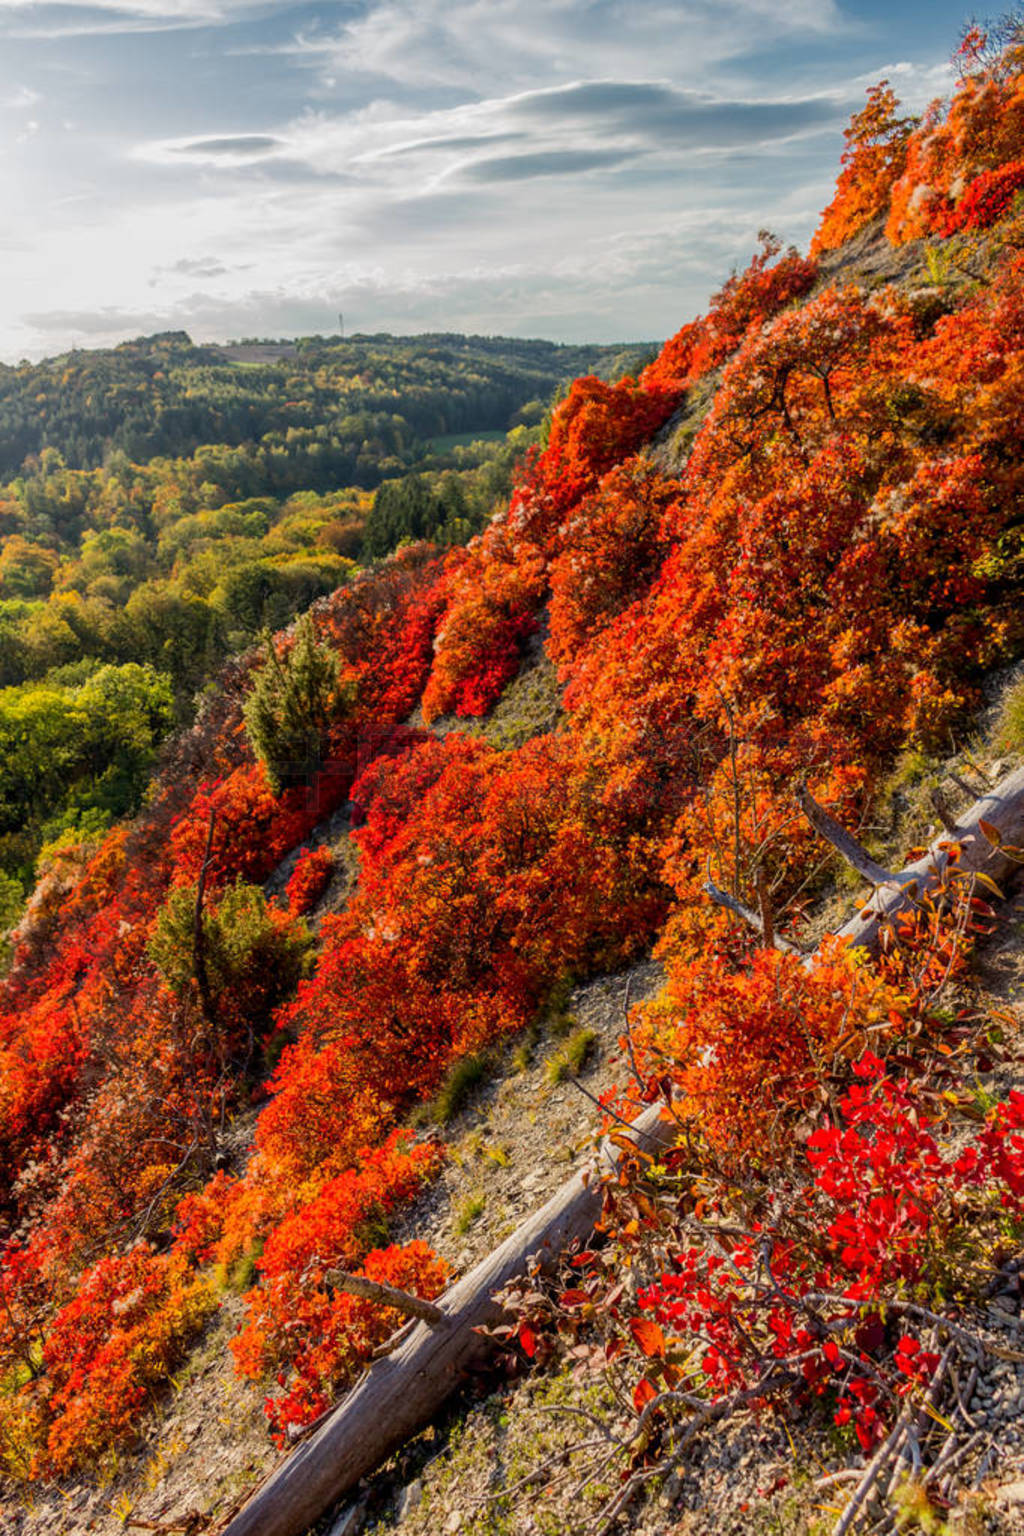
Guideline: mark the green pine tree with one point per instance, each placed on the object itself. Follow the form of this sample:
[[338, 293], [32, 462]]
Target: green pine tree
[[293, 702]]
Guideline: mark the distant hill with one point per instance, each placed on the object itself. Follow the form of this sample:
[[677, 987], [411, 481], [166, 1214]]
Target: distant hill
[[162, 396]]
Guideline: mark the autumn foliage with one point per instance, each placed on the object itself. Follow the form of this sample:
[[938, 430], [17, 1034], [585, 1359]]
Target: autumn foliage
[[787, 551], [309, 879]]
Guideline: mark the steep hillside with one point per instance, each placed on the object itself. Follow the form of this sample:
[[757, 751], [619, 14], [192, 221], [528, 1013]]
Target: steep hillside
[[765, 594], [179, 501]]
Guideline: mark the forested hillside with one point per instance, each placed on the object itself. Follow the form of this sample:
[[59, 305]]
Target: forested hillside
[[317, 413], [739, 608]]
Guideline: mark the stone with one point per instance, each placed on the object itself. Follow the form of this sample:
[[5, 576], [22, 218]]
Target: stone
[[410, 1499], [348, 1522]]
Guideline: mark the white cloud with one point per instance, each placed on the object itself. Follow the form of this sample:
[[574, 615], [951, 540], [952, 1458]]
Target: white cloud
[[169, 10], [20, 99]]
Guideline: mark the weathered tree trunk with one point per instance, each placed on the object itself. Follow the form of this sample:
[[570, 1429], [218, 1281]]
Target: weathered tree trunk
[[400, 1394]]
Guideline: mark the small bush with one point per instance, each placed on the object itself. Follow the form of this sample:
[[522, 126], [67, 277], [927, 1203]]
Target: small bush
[[312, 875], [255, 955], [467, 1211], [294, 699]]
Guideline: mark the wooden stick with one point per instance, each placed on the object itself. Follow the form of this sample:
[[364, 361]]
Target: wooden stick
[[723, 899], [386, 1296], [764, 902]]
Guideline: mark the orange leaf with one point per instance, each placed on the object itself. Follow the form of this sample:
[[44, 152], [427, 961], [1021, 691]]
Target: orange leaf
[[573, 1299], [647, 1336], [993, 834], [643, 1393]]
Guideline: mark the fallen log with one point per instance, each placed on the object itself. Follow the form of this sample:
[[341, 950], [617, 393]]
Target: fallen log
[[399, 1394], [980, 852]]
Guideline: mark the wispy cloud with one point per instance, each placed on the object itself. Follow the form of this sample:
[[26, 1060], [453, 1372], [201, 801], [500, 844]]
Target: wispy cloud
[[459, 43], [579, 127], [42, 18]]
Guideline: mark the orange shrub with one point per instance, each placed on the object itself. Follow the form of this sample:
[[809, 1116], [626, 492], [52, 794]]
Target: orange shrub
[[749, 1051]]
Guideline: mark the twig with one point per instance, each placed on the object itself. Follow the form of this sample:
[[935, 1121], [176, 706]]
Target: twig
[[386, 1296], [894, 1304], [188, 1525], [764, 902], [890, 1447], [723, 899], [927, 1407], [948, 1459], [629, 1032], [972, 794], [391, 1344], [874, 1470], [538, 1472], [942, 809], [606, 1109], [983, 1469], [709, 1414]]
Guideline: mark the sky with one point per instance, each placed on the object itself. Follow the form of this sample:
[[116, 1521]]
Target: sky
[[584, 170]]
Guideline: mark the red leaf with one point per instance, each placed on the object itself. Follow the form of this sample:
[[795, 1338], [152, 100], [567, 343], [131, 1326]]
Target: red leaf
[[573, 1299], [643, 1393], [528, 1339]]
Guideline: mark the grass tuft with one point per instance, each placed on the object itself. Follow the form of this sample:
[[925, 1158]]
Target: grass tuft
[[1009, 731], [571, 1059], [463, 1077], [467, 1211]]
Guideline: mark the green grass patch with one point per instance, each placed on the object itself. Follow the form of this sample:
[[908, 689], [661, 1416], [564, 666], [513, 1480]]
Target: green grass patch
[[573, 1056], [522, 1057], [468, 1210], [1009, 730], [530, 706], [556, 1013], [240, 1275], [463, 1077]]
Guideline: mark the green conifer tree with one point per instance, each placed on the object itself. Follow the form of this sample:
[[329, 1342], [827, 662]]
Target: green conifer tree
[[294, 700]]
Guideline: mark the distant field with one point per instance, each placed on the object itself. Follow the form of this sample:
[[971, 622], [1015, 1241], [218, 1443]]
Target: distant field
[[258, 353], [463, 439]]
